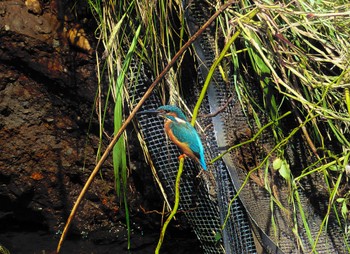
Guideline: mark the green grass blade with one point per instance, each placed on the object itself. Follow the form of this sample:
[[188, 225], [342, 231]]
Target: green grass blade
[[119, 151]]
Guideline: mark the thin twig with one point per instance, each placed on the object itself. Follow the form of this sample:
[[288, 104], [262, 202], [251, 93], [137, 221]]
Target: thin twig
[[222, 108]]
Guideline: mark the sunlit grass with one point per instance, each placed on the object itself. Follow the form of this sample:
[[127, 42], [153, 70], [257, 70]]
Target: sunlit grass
[[299, 53], [129, 30], [295, 52], [113, 66]]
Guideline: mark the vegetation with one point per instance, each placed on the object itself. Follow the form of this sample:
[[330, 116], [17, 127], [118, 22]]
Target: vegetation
[[297, 52]]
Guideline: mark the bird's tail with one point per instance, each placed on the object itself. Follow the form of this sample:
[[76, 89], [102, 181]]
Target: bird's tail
[[202, 162]]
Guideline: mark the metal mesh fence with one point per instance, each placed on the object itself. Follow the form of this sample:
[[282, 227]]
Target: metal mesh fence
[[200, 211], [206, 211], [271, 223], [199, 206]]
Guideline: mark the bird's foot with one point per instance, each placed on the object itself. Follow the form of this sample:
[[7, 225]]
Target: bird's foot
[[182, 156]]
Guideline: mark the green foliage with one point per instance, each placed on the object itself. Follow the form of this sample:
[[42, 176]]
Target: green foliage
[[112, 19], [175, 207], [126, 31], [297, 54]]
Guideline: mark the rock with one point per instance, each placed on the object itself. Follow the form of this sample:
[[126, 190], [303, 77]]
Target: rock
[[34, 6]]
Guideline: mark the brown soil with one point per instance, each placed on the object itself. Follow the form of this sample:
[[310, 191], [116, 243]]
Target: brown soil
[[47, 89]]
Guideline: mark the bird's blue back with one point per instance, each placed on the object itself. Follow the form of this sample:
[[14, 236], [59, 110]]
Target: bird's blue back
[[186, 133]]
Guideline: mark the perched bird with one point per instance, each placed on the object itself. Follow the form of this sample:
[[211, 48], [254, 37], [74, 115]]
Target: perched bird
[[181, 132]]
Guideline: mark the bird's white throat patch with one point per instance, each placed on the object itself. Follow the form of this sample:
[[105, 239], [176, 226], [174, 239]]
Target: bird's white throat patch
[[179, 120]]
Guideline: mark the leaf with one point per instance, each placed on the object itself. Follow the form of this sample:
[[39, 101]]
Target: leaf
[[339, 200], [285, 171], [344, 210], [218, 236], [277, 163]]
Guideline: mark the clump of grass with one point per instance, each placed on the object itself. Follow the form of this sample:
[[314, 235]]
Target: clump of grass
[[127, 30], [297, 53], [115, 63]]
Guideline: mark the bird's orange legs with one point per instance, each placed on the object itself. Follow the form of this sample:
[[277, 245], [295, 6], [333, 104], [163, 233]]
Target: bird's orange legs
[[182, 156]]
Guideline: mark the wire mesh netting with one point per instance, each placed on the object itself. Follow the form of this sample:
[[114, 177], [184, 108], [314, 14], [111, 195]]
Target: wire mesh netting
[[277, 227], [198, 205]]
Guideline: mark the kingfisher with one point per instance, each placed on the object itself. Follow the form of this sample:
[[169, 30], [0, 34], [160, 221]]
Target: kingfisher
[[182, 133]]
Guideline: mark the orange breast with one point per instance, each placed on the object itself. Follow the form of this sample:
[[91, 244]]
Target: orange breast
[[183, 146]]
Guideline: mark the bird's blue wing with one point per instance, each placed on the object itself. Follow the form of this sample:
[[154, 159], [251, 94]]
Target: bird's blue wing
[[186, 133]]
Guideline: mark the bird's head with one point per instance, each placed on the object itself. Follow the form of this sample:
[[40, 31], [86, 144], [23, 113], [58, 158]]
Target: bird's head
[[170, 112]]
